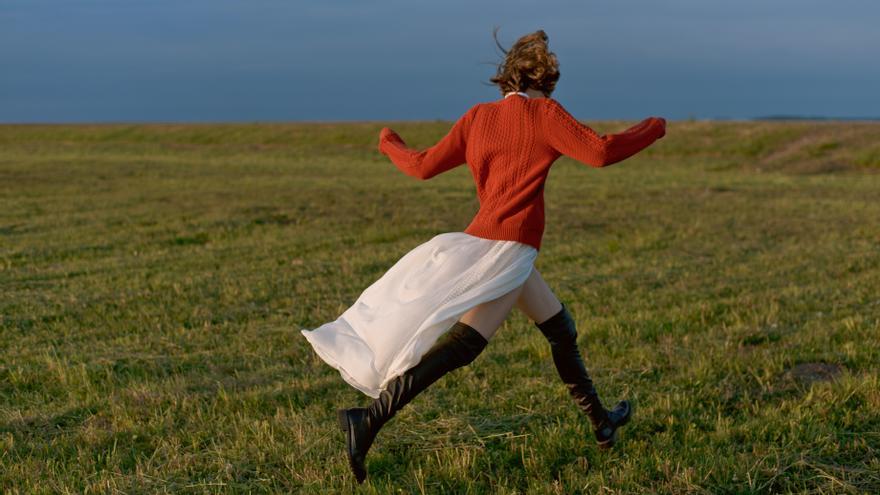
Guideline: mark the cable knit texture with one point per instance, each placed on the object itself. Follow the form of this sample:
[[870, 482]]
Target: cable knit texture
[[509, 145]]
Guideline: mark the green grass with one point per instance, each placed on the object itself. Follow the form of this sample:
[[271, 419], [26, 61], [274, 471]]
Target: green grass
[[154, 278]]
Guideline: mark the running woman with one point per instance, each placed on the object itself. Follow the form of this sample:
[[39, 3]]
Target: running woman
[[437, 308]]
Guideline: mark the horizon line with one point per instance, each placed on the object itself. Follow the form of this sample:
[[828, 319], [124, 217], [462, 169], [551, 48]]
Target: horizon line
[[772, 117]]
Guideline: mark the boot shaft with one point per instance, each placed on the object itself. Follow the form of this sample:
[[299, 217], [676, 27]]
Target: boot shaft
[[561, 332], [456, 348]]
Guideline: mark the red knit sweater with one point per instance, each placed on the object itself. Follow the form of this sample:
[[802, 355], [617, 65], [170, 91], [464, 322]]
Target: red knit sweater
[[509, 145]]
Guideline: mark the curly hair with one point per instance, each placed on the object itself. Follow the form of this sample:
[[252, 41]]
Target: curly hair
[[528, 64]]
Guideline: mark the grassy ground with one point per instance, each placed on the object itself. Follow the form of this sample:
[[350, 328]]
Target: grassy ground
[[153, 281]]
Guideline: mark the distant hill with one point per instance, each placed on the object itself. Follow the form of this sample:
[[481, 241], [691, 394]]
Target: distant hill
[[814, 117]]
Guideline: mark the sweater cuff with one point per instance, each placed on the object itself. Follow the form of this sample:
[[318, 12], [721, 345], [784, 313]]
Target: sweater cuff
[[659, 127]]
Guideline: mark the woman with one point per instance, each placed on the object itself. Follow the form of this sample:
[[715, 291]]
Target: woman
[[437, 308]]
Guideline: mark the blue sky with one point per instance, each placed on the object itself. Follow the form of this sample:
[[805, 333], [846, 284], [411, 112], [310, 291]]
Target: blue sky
[[334, 60]]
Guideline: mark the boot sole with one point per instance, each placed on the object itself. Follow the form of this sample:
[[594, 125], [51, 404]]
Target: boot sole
[[342, 418]]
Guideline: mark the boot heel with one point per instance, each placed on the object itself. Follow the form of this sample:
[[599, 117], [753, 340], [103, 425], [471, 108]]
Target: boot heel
[[617, 417], [342, 418], [607, 444]]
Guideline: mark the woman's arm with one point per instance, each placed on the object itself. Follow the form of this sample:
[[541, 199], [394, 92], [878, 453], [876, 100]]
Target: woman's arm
[[447, 154], [571, 138]]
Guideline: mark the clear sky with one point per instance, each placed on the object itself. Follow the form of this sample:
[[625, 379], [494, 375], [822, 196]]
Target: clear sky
[[359, 60]]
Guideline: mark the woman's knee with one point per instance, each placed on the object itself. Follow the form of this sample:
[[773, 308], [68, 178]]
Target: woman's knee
[[560, 329], [487, 317]]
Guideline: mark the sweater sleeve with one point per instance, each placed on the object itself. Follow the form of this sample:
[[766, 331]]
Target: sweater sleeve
[[571, 138], [447, 154]]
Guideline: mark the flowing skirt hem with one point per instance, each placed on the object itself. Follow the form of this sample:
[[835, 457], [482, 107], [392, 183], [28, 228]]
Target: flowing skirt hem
[[401, 315]]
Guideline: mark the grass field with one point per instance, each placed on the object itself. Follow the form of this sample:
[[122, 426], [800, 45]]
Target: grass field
[[154, 279]]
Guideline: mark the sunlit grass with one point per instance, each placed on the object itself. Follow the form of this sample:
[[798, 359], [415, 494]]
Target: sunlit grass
[[154, 278]]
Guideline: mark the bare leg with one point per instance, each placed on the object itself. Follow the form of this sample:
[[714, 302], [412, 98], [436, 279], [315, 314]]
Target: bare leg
[[488, 316], [536, 300]]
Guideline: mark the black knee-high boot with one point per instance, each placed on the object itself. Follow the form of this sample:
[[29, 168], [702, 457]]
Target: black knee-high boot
[[456, 348], [560, 331]]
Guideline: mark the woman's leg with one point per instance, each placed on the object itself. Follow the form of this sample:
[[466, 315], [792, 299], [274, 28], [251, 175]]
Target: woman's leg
[[536, 299], [552, 318], [456, 348], [487, 317]]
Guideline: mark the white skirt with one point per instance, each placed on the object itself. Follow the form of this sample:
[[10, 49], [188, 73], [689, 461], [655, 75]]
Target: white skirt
[[397, 319]]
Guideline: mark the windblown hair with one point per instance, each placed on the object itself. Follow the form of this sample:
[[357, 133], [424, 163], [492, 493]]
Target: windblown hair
[[528, 64]]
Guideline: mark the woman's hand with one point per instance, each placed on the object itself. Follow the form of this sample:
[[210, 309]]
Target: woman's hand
[[387, 133]]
